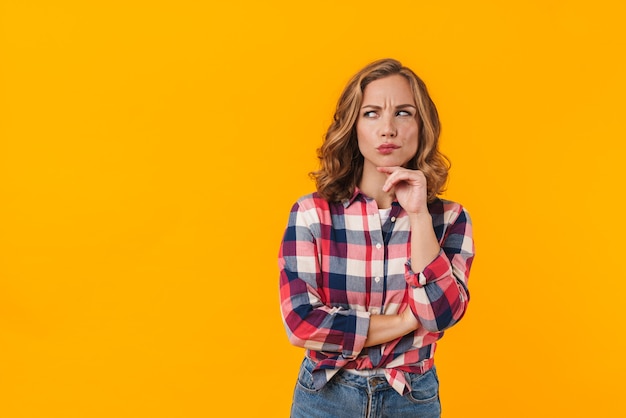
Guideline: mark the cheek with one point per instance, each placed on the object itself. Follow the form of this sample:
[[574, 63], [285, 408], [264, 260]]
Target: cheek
[[413, 135], [363, 134], [360, 128]]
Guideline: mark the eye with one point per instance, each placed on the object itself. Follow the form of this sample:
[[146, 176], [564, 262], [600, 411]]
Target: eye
[[369, 114], [403, 113]]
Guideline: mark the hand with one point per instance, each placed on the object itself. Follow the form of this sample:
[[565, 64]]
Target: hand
[[409, 186]]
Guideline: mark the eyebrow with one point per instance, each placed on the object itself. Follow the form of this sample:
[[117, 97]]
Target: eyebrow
[[402, 106]]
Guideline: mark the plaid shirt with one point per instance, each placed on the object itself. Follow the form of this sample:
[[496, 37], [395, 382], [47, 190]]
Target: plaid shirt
[[339, 265]]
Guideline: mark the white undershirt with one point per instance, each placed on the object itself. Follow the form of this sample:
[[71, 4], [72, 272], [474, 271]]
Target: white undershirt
[[384, 215]]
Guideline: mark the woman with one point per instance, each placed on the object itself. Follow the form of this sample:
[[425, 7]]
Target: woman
[[374, 266]]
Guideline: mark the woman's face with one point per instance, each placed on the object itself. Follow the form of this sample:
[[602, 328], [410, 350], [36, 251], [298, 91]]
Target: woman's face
[[387, 127]]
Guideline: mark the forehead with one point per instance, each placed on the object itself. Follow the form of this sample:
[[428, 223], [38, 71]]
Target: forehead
[[394, 88]]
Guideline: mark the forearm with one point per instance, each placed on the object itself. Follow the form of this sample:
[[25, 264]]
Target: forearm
[[424, 244], [385, 328]]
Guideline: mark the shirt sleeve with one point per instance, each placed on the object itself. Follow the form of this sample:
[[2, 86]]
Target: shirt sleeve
[[310, 320], [438, 295]]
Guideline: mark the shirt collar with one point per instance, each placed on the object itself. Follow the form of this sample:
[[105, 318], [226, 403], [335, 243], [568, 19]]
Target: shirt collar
[[355, 195], [359, 194]]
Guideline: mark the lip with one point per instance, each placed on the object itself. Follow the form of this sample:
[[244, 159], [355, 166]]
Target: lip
[[387, 148]]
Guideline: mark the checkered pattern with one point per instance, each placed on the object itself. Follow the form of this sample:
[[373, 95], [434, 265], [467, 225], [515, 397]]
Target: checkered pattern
[[339, 265]]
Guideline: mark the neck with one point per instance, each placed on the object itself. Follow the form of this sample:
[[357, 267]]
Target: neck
[[372, 185]]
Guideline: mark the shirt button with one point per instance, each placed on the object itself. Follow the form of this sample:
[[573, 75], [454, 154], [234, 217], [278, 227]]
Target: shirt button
[[393, 219], [377, 279], [378, 246]]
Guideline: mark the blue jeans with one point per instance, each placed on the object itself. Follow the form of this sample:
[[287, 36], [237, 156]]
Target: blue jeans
[[350, 396]]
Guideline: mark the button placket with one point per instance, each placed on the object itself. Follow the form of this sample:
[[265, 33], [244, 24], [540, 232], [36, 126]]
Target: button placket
[[377, 262]]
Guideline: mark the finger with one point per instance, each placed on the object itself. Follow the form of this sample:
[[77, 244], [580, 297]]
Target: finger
[[392, 180], [388, 170], [409, 176]]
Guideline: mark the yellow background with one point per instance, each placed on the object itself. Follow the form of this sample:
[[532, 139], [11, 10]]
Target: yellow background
[[150, 152]]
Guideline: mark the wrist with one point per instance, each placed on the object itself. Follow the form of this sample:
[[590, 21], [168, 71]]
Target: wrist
[[420, 217]]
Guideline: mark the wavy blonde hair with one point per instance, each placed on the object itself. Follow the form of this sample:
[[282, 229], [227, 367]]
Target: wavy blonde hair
[[341, 162]]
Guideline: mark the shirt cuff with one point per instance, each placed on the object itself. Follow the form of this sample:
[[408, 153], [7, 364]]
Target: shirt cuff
[[353, 349], [437, 269]]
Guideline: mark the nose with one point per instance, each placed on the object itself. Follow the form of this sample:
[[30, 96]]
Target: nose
[[388, 129]]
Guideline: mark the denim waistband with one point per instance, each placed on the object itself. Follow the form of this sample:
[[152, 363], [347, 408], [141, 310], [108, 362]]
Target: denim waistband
[[372, 383]]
